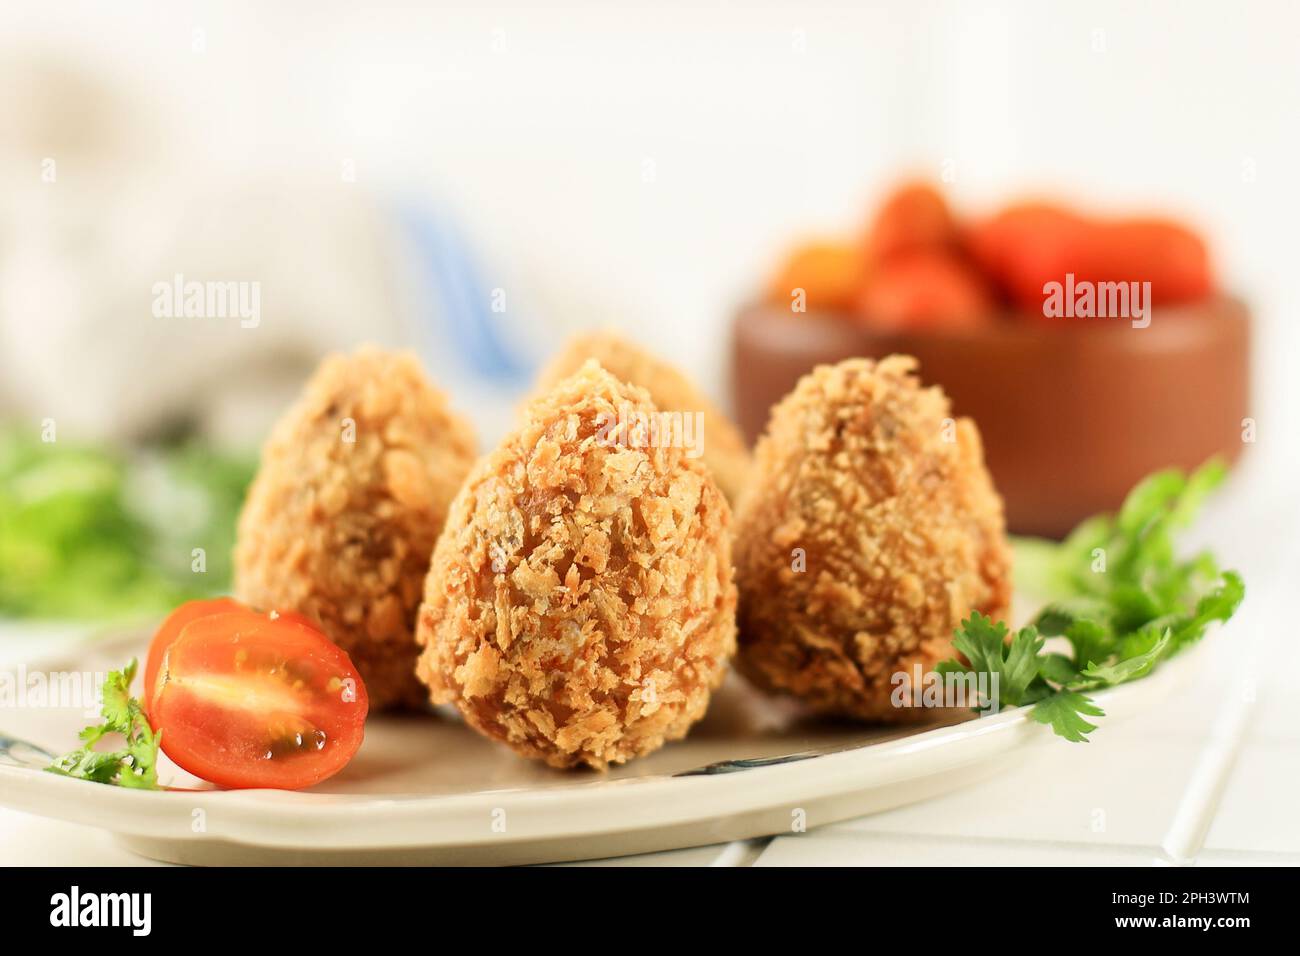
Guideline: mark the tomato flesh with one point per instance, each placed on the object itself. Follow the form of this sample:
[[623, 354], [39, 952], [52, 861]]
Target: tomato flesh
[[245, 699], [170, 630]]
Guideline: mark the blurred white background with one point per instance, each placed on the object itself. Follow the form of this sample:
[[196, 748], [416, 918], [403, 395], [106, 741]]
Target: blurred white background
[[645, 164]]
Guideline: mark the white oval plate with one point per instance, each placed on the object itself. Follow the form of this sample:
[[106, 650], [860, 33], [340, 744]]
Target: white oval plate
[[425, 789]]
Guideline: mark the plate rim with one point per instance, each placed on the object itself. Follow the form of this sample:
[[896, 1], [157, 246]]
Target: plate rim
[[301, 820]]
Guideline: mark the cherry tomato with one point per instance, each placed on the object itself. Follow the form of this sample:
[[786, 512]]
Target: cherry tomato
[[829, 273], [170, 630], [915, 217], [1167, 254], [1029, 244], [246, 699], [928, 289], [1026, 245]]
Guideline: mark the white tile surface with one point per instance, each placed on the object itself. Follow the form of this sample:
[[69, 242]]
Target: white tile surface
[[1260, 807], [1275, 718], [846, 847], [27, 840], [1120, 789]]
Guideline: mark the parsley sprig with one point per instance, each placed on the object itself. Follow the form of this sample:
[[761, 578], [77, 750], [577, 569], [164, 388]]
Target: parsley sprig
[[1126, 602], [135, 763]]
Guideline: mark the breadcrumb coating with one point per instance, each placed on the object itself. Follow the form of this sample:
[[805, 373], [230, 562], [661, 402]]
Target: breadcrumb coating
[[354, 486], [864, 473], [580, 606], [724, 450]]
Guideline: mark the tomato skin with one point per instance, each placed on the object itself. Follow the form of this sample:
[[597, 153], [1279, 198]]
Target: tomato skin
[[1027, 245], [258, 700], [1166, 254], [170, 629], [914, 218], [1024, 246], [830, 274], [929, 289]]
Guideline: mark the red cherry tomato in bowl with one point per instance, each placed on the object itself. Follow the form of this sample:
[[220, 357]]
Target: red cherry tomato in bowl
[[246, 699]]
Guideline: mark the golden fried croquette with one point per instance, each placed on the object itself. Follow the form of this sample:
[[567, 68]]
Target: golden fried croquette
[[871, 529], [724, 450], [580, 606], [354, 486]]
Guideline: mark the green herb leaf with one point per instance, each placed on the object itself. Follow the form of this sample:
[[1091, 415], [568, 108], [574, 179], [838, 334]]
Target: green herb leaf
[[1012, 668], [1118, 593], [90, 532], [135, 763], [1131, 668], [1064, 712], [1057, 668]]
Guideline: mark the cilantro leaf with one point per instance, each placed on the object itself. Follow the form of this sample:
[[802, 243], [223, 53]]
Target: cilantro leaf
[[1119, 595], [132, 765], [1130, 668], [116, 706], [1057, 668], [1020, 667], [1011, 668], [1218, 605], [1064, 712]]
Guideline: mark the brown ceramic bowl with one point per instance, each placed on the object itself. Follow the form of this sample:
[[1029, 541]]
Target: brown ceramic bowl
[[1072, 412]]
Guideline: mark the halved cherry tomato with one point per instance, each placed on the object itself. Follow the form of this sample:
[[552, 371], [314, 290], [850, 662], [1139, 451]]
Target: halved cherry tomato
[[246, 699], [171, 629]]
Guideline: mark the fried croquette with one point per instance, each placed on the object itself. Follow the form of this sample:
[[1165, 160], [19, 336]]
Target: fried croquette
[[723, 449], [339, 524], [580, 606], [870, 531]]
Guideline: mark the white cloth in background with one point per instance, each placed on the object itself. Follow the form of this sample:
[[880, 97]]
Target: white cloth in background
[[88, 233]]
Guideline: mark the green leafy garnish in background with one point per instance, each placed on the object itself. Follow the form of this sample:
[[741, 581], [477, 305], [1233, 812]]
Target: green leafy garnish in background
[[135, 763], [1124, 602], [89, 532]]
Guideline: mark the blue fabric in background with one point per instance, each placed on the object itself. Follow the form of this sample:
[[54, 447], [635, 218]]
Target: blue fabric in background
[[456, 309]]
